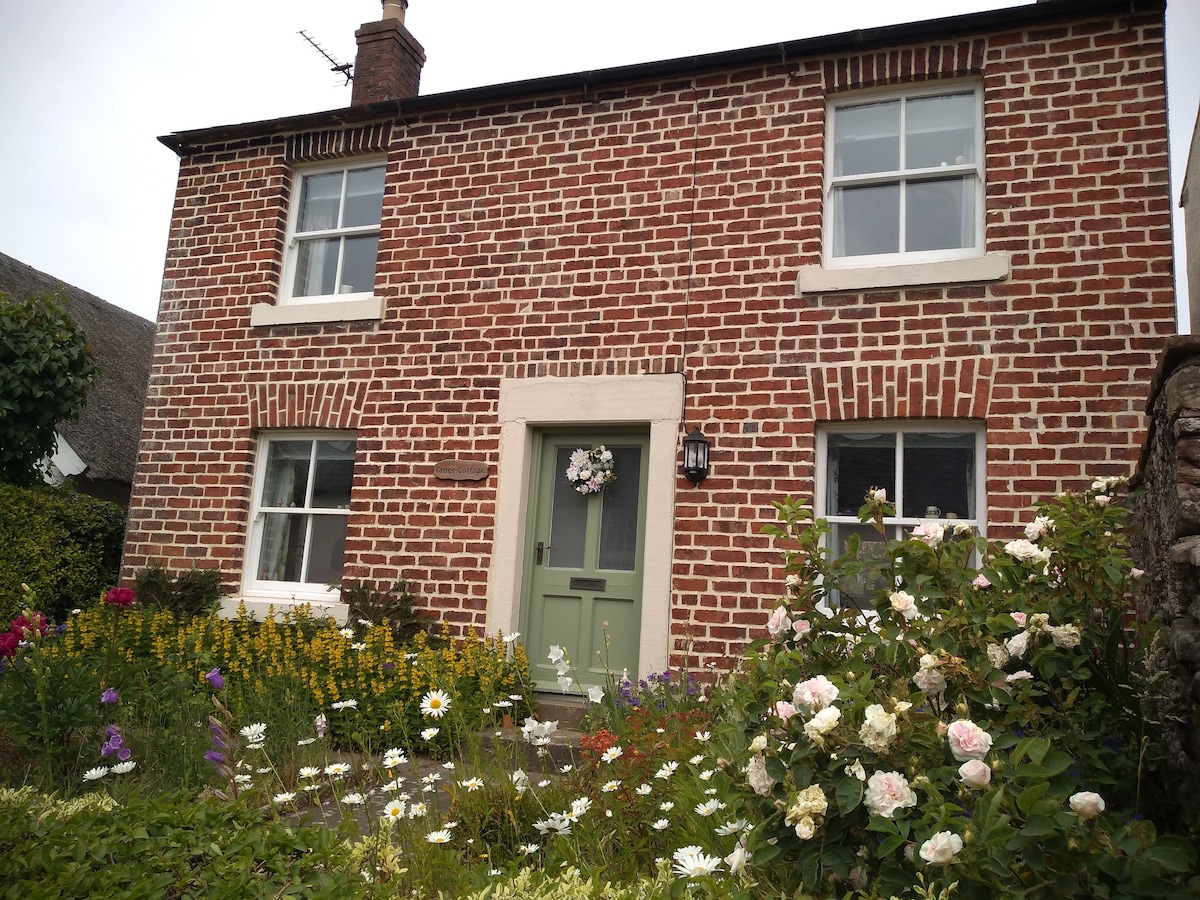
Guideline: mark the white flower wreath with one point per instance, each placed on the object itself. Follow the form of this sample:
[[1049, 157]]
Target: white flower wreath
[[591, 470]]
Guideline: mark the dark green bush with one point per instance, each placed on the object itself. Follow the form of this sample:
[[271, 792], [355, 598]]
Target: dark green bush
[[195, 592], [65, 545]]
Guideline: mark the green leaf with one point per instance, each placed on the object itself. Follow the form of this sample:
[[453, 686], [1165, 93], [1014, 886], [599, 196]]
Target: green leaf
[[849, 794], [1030, 795], [1037, 826]]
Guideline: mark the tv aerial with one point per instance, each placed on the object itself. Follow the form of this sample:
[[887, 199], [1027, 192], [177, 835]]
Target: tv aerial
[[335, 66]]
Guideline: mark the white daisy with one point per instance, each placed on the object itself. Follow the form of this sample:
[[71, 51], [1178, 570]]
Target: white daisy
[[95, 774], [435, 704]]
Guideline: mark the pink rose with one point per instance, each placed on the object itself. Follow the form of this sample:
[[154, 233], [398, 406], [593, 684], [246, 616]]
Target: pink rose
[[887, 792], [784, 710], [968, 740], [930, 533], [1019, 618], [801, 627], [119, 597], [778, 623], [981, 582], [816, 693]]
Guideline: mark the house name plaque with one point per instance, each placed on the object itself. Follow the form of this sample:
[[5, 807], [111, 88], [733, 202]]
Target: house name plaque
[[461, 470]]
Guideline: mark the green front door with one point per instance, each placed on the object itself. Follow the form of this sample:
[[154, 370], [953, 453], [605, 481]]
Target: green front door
[[583, 563]]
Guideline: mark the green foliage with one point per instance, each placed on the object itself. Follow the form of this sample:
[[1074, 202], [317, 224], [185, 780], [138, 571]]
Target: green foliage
[[191, 593], [164, 847], [46, 369], [65, 545], [998, 706]]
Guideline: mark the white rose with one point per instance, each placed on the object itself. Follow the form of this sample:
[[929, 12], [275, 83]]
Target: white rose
[[997, 656], [1086, 804], [1039, 527], [822, 723], [815, 693], [967, 740], [759, 744], [758, 778], [941, 849], [1065, 636], [805, 829], [975, 773], [1017, 644], [879, 495], [879, 729], [931, 681], [737, 859], [905, 604]]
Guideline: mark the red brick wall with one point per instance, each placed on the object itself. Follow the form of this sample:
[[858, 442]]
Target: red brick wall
[[558, 236]]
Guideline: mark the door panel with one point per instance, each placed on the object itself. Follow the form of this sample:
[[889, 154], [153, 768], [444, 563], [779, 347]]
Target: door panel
[[583, 565]]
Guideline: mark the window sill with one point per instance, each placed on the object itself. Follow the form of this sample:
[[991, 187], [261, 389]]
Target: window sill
[[822, 280], [313, 313], [260, 607]]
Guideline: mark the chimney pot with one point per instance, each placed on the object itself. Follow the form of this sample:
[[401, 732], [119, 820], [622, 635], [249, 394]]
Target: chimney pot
[[394, 9]]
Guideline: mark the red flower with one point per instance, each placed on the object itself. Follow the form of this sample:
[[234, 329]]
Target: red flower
[[8, 644], [20, 624], [119, 597]]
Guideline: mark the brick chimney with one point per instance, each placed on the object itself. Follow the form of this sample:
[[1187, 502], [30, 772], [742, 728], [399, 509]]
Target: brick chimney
[[389, 61]]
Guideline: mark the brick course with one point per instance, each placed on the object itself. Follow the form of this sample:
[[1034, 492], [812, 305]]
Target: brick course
[[658, 227]]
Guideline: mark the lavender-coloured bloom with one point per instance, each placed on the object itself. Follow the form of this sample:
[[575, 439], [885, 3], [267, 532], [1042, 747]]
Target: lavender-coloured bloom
[[215, 757], [110, 695], [214, 678], [124, 754], [112, 731]]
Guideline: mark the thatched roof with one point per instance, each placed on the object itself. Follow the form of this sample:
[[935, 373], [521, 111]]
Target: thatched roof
[[106, 433]]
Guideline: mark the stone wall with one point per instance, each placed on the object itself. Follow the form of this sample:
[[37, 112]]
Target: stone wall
[[1166, 543]]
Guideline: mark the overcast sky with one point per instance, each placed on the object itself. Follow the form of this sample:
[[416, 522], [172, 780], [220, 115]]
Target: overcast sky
[[86, 86]]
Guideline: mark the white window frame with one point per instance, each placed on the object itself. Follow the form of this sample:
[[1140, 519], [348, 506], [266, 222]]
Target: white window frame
[[903, 175], [900, 525], [294, 240], [298, 591]]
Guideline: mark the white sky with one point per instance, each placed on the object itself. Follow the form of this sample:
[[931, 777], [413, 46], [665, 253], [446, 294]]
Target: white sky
[[87, 85]]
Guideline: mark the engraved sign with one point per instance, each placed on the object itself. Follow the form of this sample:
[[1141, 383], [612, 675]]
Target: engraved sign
[[461, 470]]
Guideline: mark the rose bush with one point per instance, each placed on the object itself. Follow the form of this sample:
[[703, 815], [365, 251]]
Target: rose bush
[[978, 726]]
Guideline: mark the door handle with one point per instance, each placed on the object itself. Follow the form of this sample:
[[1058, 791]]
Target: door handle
[[538, 551]]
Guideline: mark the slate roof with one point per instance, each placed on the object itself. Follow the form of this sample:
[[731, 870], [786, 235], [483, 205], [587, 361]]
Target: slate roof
[[107, 431]]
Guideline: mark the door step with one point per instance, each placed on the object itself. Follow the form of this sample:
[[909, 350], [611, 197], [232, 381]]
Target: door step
[[566, 709]]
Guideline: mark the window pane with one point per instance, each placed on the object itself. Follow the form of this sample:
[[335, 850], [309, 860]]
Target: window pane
[[358, 268], [940, 215], [282, 547], [860, 589], [866, 138], [327, 549], [316, 267], [334, 474], [286, 481], [858, 463], [868, 220], [939, 475], [364, 197], [320, 197], [568, 518], [939, 131], [619, 519]]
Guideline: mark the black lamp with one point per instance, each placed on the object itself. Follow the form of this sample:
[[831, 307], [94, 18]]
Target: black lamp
[[695, 457]]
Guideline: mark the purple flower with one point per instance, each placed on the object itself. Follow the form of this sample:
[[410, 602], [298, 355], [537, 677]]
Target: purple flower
[[110, 695], [215, 757], [215, 679], [124, 754]]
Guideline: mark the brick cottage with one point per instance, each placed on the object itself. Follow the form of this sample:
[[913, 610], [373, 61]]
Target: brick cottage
[[933, 257]]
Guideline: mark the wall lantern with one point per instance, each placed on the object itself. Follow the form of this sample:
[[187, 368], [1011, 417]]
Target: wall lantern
[[695, 457]]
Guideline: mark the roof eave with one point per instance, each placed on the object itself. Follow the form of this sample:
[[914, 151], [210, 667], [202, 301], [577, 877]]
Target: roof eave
[[181, 142]]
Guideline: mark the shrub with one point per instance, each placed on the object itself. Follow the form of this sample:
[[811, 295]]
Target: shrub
[[65, 545], [977, 728], [190, 593], [394, 607]]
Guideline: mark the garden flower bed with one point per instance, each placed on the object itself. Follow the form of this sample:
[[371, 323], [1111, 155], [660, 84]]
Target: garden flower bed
[[976, 733]]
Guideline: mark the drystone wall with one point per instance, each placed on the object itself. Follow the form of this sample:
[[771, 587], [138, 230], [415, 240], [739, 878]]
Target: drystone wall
[[1166, 543]]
